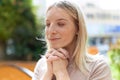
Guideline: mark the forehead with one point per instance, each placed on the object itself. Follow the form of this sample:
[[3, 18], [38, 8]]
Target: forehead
[[56, 12]]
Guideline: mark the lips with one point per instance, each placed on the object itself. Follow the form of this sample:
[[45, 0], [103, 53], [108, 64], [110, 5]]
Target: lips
[[53, 39]]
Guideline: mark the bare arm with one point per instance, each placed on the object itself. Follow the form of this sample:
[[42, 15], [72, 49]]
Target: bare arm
[[59, 62], [62, 75], [47, 76], [60, 66]]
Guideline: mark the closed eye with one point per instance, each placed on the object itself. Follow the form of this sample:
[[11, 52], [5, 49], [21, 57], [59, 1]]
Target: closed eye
[[47, 24], [61, 24]]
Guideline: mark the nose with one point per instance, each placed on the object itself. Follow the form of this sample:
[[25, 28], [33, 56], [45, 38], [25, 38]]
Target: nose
[[52, 29]]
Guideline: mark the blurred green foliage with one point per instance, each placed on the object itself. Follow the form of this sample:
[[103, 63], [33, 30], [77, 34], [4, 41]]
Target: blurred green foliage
[[114, 55], [17, 22]]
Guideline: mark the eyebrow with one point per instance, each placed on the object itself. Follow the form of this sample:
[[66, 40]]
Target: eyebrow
[[61, 19]]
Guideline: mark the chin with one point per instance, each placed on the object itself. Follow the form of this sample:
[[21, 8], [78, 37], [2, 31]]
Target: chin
[[56, 46]]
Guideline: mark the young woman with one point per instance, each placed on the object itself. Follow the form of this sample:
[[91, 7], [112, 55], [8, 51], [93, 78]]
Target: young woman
[[66, 57]]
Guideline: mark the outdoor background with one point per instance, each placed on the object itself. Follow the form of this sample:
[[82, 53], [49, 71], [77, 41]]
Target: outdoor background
[[22, 34]]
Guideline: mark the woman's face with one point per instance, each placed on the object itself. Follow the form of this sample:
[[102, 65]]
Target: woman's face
[[60, 29]]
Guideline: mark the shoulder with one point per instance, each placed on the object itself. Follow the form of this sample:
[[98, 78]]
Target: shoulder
[[99, 60], [41, 62], [39, 68], [99, 68], [96, 61]]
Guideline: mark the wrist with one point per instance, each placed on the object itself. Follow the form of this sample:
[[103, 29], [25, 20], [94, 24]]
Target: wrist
[[48, 73], [47, 76], [63, 75]]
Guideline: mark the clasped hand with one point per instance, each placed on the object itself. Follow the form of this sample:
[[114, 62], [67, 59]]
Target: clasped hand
[[57, 61]]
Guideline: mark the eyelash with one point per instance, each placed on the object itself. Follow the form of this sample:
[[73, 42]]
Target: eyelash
[[48, 24], [59, 24]]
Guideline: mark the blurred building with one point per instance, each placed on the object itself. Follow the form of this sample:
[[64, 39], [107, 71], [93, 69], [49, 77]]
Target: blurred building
[[107, 22], [103, 26]]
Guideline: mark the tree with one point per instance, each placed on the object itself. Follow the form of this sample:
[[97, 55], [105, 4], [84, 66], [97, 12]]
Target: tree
[[17, 22], [114, 56]]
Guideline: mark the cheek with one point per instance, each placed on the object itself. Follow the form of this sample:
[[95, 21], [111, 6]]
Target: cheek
[[69, 36]]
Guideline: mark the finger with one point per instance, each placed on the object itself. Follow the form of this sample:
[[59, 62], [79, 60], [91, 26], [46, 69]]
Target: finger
[[48, 53], [65, 52], [59, 54], [52, 58], [50, 50]]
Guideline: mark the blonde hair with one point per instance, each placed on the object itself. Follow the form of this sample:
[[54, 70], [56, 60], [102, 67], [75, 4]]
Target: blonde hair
[[80, 55]]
